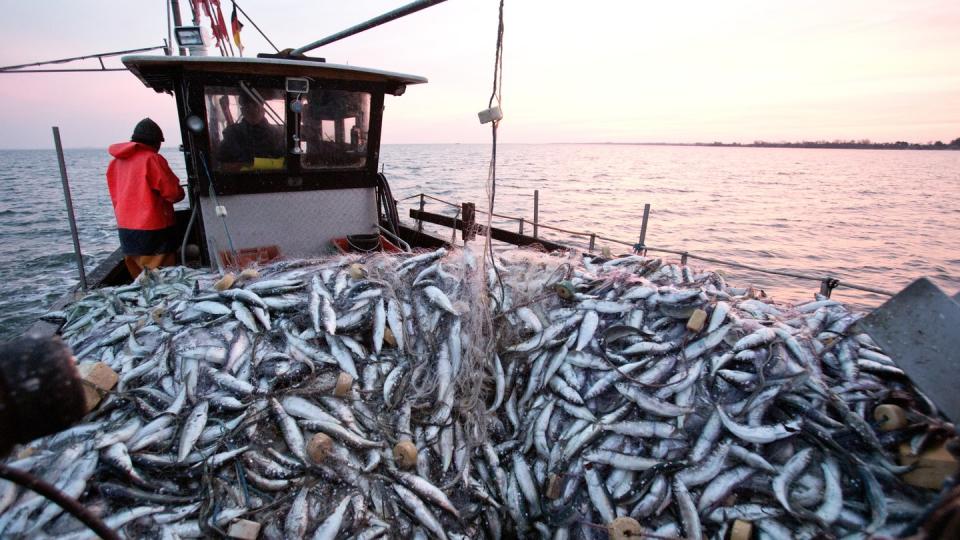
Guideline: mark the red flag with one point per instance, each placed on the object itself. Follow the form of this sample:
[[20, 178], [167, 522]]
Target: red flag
[[211, 8], [218, 24], [236, 26]]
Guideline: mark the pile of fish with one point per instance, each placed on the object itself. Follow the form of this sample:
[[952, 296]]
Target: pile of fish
[[441, 395]]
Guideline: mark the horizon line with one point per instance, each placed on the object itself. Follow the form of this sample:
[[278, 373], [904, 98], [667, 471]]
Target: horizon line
[[733, 144]]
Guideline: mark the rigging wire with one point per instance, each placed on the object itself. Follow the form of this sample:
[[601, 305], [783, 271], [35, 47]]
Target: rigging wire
[[674, 251], [85, 70], [244, 13], [17, 68]]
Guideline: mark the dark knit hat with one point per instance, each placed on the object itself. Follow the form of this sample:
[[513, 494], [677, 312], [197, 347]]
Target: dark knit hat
[[147, 132]]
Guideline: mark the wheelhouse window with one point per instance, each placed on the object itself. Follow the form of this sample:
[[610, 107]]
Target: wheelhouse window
[[333, 129], [246, 128]]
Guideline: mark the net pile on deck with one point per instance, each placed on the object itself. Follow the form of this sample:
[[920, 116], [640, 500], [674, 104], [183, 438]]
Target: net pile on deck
[[545, 397]]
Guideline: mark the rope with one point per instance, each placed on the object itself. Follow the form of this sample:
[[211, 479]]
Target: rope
[[495, 94], [360, 249], [244, 13], [385, 198], [61, 499], [788, 274], [216, 204]]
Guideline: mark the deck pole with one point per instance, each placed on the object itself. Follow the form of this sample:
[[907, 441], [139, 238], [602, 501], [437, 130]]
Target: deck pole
[[175, 8], [643, 225], [593, 241], [521, 226], [70, 216], [423, 203], [536, 211], [469, 211]]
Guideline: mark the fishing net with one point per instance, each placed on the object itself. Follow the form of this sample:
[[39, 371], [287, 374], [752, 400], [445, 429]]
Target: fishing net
[[542, 395]]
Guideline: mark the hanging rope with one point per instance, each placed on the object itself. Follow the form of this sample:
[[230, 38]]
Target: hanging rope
[[61, 499], [216, 204], [495, 96]]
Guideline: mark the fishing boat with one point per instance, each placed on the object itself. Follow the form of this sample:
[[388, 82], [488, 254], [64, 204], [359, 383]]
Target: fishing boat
[[322, 192], [315, 189]]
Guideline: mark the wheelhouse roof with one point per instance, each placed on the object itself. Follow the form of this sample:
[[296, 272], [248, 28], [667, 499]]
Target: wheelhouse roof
[[159, 72]]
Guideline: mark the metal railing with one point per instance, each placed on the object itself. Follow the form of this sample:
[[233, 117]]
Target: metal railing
[[827, 283]]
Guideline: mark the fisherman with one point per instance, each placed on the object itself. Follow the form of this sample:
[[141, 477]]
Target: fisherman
[[251, 143], [143, 190]]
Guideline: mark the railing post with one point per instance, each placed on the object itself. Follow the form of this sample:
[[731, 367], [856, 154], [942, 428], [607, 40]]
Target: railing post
[[536, 211], [423, 202], [469, 211], [643, 226], [683, 258], [453, 228], [827, 285], [521, 226], [70, 216], [593, 241]]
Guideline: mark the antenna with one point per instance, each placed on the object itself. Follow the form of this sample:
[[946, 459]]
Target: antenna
[[99, 56]]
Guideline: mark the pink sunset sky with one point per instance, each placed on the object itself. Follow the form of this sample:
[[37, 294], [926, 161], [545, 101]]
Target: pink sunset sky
[[617, 71]]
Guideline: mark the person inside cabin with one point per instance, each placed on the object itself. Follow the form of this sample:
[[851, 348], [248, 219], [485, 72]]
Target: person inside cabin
[[331, 130], [143, 190], [253, 142]]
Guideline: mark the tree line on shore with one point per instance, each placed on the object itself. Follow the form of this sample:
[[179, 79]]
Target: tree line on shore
[[862, 143]]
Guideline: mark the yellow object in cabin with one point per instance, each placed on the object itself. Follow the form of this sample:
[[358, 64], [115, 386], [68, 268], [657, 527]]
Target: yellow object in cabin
[[264, 164]]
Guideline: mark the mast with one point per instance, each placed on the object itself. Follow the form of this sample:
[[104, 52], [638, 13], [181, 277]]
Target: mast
[[175, 7]]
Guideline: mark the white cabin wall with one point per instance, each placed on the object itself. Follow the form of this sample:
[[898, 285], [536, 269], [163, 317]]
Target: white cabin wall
[[300, 223]]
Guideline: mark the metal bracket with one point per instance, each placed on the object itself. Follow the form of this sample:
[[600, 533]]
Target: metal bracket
[[918, 329], [828, 285]]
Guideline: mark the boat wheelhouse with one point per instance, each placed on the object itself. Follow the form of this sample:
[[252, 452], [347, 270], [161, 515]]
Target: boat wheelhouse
[[281, 154]]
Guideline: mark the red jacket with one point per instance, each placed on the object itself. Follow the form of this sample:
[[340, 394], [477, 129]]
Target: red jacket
[[142, 187]]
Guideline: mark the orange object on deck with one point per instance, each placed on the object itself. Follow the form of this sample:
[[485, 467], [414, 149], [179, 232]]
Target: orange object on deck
[[345, 245], [136, 263], [244, 257]]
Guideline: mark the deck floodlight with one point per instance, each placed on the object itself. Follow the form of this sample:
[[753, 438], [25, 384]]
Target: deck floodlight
[[189, 36]]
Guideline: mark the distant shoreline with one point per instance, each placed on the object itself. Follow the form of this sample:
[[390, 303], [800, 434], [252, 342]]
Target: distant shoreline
[[851, 145]]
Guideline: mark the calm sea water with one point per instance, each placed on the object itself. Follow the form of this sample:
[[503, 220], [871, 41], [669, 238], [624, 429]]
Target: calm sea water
[[874, 218]]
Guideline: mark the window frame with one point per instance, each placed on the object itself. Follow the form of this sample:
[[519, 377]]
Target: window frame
[[295, 177], [213, 162]]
